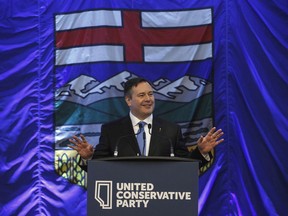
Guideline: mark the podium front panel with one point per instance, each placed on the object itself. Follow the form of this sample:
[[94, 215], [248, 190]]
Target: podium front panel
[[142, 188]]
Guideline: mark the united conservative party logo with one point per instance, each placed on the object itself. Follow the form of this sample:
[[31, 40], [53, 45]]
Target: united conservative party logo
[[104, 193], [133, 195]]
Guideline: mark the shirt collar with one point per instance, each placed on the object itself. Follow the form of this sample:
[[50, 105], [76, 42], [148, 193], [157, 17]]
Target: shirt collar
[[135, 120]]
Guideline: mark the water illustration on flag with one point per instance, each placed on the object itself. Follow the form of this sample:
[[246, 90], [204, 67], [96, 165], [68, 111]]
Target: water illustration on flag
[[97, 51]]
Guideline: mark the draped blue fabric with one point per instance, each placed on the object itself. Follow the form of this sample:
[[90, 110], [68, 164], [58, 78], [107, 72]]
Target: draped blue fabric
[[249, 175]]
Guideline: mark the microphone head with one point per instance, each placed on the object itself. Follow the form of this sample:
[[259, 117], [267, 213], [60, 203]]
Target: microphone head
[[149, 126]]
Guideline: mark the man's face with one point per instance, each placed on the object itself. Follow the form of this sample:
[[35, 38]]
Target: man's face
[[142, 101]]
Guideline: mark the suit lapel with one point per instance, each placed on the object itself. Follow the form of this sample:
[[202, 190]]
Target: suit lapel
[[156, 129], [126, 129]]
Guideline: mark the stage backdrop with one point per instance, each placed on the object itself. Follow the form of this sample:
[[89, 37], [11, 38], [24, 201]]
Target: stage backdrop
[[222, 63]]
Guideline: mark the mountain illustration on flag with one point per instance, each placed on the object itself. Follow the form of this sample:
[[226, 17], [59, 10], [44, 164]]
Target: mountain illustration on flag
[[86, 90]]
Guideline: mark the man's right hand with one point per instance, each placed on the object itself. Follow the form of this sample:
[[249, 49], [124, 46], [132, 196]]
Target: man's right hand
[[84, 149]]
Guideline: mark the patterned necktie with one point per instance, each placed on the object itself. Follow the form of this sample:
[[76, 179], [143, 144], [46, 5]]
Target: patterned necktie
[[141, 137]]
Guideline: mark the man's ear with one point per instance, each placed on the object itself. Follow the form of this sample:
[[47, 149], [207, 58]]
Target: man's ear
[[128, 100]]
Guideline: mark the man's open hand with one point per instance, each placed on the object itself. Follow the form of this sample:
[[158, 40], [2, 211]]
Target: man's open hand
[[84, 149]]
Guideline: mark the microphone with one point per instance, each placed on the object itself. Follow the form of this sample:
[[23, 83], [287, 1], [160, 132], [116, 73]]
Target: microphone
[[149, 128], [164, 137], [171, 149], [115, 153]]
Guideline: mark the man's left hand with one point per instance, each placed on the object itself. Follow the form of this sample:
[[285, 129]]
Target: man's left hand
[[207, 143]]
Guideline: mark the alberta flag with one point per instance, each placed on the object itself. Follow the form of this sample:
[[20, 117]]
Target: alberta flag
[[211, 63], [112, 46], [97, 50]]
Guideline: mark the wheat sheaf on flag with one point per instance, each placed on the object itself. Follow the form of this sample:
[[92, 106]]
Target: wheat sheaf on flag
[[133, 36], [136, 38]]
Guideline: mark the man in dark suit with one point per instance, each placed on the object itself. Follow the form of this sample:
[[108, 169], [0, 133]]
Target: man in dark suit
[[162, 138]]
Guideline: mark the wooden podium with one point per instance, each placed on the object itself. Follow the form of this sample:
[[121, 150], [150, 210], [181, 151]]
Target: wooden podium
[[142, 186]]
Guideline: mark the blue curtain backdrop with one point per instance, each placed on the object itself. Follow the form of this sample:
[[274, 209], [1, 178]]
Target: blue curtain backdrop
[[248, 69]]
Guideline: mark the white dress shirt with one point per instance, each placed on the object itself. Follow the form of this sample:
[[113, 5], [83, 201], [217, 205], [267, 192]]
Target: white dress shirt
[[135, 125]]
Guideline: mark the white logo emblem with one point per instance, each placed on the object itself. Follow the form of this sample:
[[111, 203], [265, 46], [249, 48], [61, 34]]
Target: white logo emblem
[[103, 193]]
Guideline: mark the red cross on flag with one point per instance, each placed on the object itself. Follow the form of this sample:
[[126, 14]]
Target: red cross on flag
[[133, 36]]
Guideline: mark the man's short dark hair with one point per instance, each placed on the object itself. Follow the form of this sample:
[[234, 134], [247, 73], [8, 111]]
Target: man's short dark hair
[[133, 83]]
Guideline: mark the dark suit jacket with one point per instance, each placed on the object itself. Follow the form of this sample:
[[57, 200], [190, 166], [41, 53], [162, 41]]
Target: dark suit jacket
[[164, 134]]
